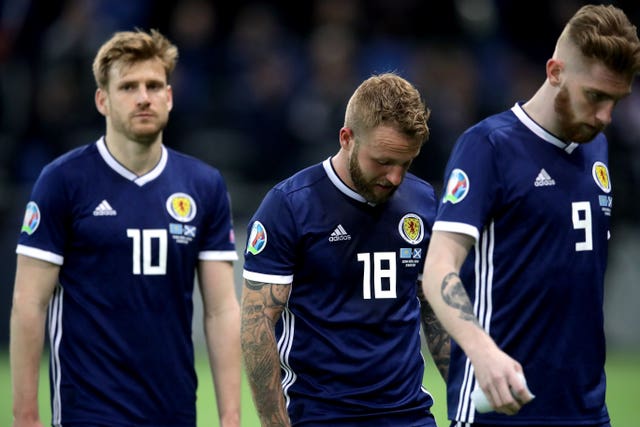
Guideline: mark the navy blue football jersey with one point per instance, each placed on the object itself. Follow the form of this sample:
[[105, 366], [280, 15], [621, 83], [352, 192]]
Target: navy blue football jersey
[[120, 319], [539, 210], [349, 336]]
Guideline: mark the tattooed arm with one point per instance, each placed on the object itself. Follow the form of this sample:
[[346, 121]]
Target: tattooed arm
[[262, 304], [437, 338], [495, 371]]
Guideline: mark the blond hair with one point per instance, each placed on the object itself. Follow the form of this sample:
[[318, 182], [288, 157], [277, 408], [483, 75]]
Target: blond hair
[[604, 33], [388, 99], [129, 47]]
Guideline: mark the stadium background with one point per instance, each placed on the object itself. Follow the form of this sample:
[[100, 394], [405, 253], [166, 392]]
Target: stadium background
[[260, 90]]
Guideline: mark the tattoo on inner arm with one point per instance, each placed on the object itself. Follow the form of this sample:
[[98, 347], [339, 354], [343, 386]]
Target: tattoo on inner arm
[[454, 295], [278, 293], [436, 336], [261, 307]]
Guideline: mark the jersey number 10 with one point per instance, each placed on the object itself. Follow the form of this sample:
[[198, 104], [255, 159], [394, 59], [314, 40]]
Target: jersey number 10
[[143, 259]]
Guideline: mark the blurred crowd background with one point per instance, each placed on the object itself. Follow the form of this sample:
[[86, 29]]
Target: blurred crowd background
[[260, 90]]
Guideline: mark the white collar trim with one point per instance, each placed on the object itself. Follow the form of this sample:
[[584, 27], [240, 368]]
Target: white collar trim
[[540, 131], [126, 173], [335, 179]]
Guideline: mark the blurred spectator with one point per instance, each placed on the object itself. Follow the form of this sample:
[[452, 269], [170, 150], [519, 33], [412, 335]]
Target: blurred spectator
[[447, 76], [624, 156], [264, 61], [198, 79], [317, 107]]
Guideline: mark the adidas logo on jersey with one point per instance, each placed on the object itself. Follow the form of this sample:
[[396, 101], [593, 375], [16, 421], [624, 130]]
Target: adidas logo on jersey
[[543, 179], [104, 209], [339, 234]]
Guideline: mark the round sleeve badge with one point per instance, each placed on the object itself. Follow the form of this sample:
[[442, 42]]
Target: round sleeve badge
[[257, 238], [31, 219], [457, 187]]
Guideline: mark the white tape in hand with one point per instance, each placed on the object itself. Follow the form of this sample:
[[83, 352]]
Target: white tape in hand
[[481, 402]]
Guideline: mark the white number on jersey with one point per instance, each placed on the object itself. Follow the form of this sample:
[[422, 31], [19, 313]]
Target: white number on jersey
[[581, 216], [384, 267], [142, 251]]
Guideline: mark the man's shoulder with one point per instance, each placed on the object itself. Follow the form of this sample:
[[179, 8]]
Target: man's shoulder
[[76, 159], [417, 183], [304, 178], [495, 122], [190, 164], [494, 130]]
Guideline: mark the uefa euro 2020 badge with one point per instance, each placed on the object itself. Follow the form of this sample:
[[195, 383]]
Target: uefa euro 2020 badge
[[457, 187], [31, 219], [257, 238]]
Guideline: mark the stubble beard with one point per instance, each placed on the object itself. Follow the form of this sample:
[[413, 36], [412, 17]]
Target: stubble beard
[[570, 128], [144, 136], [363, 186]]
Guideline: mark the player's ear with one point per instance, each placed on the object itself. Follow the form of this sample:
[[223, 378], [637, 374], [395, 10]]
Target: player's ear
[[101, 101], [346, 137], [554, 69], [169, 97]]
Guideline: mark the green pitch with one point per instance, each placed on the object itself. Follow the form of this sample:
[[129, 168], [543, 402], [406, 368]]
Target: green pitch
[[623, 374]]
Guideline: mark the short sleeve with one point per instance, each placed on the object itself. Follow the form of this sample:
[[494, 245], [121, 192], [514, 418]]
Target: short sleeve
[[272, 236], [472, 186], [45, 228]]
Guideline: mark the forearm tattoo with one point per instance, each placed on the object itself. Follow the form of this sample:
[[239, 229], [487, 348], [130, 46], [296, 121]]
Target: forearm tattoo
[[455, 296], [262, 304], [437, 338]]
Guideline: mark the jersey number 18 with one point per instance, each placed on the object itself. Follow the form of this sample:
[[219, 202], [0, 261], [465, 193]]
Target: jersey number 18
[[384, 267]]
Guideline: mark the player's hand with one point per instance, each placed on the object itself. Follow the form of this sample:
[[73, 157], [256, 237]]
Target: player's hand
[[501, 379]]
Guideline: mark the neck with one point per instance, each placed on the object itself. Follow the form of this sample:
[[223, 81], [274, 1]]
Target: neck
[[340, 163], [540, 108], [138, 157]]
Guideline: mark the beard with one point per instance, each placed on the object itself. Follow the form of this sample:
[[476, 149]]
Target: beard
[[364, 186], [570, 128], [145, 133]]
